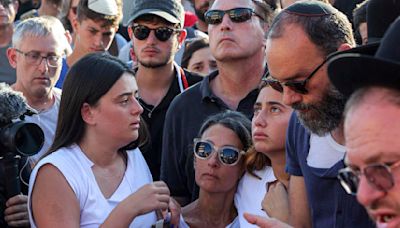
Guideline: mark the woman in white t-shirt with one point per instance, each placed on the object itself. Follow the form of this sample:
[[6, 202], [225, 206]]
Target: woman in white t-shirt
[[219, 155], [94, 175], [263, 189]]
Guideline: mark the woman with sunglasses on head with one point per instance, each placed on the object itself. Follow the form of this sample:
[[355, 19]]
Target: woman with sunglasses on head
[[94, 175], [219, 164], [262, 190]]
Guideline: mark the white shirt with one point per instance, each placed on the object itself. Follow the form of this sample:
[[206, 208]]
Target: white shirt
[[47, 121], [251, 192], [94, 207], [324, 151]]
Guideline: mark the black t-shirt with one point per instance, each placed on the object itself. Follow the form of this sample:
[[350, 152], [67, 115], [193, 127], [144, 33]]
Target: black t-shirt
[[154, 118]]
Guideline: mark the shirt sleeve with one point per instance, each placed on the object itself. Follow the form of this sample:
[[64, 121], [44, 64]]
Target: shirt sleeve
[[292, 148]]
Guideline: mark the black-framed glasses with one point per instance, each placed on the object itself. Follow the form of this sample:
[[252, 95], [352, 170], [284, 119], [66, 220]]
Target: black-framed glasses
[[227, 155], [141, 32], [297, 86], [34, 58], [379, 176], [237, 15]]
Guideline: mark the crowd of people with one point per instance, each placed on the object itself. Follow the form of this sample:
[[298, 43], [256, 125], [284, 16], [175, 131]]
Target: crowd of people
[[205, 113]]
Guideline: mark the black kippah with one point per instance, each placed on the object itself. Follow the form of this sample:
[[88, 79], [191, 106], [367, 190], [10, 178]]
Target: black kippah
[[311, 9]]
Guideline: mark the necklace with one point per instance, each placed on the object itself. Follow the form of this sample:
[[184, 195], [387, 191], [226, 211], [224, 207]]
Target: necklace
[[144, 105]]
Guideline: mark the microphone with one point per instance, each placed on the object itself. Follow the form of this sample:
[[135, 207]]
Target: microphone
[[12, 104]]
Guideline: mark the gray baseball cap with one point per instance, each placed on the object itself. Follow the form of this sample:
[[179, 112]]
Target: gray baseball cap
[[170, 10]]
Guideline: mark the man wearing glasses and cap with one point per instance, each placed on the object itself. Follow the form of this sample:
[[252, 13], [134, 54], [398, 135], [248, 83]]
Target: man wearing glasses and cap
[[236, 30], [94, 29], [156, 30], [299, 41], [38, 45], [371, 127]]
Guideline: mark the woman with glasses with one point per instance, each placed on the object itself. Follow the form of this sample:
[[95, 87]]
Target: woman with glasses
[[219, 164], [262, 190], [94, 175]]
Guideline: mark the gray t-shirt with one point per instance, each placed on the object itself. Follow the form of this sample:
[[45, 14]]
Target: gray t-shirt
[[7, 73]]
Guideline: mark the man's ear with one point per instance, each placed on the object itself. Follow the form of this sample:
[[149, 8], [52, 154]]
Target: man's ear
[[12, 57], [16, 5], [87, 114], [344, 47], [130, 32]]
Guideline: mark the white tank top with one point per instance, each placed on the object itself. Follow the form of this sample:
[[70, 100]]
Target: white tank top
[[94, 207]]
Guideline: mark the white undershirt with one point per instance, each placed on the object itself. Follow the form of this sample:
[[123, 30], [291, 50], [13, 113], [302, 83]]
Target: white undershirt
[[324, 151]]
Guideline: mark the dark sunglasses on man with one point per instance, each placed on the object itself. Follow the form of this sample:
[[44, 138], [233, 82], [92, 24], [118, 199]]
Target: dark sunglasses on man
[[237, 15], [296, 86], [163, 34], [378, 176]]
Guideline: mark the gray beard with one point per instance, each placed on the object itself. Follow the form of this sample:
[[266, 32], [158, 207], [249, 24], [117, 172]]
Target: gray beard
[[324, 116]]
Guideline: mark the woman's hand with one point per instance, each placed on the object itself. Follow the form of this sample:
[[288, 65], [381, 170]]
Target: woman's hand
[[265, 222], [276, 202], [150, 197]]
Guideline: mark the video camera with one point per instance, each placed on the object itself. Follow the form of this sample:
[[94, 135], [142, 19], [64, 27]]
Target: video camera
[[17, 137]]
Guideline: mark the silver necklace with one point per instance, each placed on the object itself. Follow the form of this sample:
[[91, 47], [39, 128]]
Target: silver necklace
[[143, 104]]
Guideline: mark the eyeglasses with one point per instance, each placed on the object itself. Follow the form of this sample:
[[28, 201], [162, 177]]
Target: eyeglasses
[[227, 155], [379, 176], [141, 32], [34, 58], [237, 15], [297, 86]]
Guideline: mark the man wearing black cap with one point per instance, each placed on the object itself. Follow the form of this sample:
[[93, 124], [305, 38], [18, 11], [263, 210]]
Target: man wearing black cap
[[156, 30], [299, 41], [371, 127]]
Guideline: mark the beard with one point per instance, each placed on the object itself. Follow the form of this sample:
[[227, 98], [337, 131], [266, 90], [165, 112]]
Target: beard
[[324, 116], [200, 10], [153, 64]]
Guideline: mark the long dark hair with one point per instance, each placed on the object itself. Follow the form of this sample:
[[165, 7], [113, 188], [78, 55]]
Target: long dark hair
[[86, 82]]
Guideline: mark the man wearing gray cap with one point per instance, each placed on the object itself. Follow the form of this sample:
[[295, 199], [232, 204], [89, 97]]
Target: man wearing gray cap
[[156, 30]]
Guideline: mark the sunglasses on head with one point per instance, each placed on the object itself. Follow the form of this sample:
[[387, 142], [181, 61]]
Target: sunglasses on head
[[227, 155], [237, 15], [379, 176], [296, 86], [141, 32]]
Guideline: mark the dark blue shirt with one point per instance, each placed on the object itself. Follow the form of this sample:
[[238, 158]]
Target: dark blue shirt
[[330, 205]]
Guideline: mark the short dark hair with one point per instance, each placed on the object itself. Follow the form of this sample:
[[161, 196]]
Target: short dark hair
[[87, 81], [327, 32], [83, 13], [191, 46], [233, 120]]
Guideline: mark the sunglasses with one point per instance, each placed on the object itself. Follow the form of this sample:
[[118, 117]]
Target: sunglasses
[[227, 155], [379, 176], [237, 15], [296, 86], [163, 34]]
